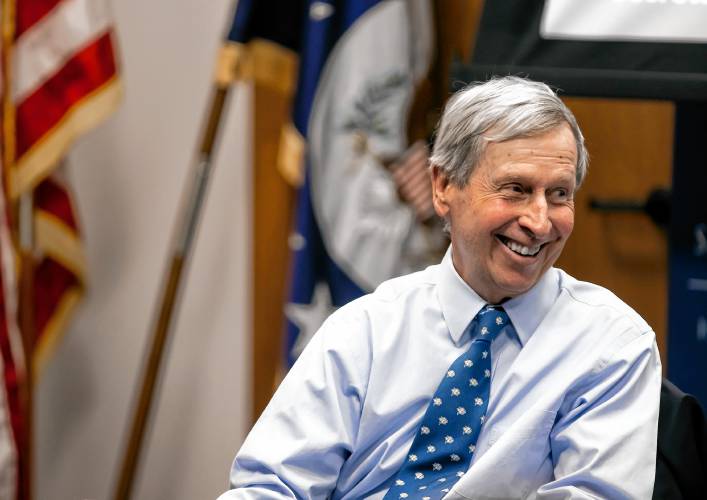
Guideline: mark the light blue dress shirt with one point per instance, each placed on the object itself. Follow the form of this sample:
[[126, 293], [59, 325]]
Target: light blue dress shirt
[[573, 409]]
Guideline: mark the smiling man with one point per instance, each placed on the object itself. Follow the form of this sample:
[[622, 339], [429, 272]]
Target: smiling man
[[492, 375], [511, 219]]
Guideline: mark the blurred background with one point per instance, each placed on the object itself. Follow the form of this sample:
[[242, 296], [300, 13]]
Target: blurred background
[[127, 177], [318, 193]]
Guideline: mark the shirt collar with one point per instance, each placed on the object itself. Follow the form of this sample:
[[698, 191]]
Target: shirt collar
[[460, 303]]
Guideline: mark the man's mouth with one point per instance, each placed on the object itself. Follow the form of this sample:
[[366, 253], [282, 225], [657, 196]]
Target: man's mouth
[[518, 248]]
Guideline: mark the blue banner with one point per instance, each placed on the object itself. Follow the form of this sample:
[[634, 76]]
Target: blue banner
[[687, 332]]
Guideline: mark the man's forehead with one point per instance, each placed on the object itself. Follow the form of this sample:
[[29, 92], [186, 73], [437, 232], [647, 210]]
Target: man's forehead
[[557, 144]]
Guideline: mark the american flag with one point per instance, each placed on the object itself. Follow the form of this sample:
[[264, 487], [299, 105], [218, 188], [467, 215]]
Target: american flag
[[59, 80]]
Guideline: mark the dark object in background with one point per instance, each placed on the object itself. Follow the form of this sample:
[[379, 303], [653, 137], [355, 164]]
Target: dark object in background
[[681, 469], [656, 206]]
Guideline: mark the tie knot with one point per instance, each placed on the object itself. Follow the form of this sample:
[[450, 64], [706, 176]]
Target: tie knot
[[490, 320]]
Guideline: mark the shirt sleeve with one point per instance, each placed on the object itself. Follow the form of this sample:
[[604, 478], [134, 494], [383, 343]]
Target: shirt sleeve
[[604, 445], [303, 437]]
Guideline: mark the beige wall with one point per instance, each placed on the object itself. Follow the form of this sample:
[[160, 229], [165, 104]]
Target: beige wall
[[128, 176]]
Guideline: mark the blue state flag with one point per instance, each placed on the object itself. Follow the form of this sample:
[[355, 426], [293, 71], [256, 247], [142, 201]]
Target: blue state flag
[[359, 65]]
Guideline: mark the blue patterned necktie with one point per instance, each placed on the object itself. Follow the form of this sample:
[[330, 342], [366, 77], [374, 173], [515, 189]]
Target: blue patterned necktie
[[444, 444]]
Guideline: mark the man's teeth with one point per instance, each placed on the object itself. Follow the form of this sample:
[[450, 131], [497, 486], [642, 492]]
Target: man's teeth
[[523, 250]]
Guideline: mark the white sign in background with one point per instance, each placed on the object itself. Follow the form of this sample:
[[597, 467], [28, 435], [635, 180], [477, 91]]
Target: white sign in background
[[682, 21]]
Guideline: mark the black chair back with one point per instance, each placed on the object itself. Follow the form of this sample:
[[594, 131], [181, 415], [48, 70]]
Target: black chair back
[[681, 468]]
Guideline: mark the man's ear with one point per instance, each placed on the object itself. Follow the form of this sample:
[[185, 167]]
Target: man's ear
[[440, 191]]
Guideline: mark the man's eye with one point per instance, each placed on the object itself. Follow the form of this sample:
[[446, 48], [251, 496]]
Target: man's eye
[[560, 194]]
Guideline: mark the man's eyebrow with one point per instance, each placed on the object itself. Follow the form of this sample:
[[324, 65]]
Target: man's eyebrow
[[521, 178]]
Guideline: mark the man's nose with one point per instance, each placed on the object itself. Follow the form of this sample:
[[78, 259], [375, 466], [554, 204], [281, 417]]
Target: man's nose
[[534, 219]]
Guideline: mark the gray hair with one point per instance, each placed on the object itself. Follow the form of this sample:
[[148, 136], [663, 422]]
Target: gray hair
[[498, 110]]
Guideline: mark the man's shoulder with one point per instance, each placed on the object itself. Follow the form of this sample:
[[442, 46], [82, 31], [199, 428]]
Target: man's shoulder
[[394, 289], [390, 293], [597, 301], [597, 332]]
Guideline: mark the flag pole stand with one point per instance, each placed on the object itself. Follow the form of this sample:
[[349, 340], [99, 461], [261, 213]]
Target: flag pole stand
[[186, 228], [27, 329]]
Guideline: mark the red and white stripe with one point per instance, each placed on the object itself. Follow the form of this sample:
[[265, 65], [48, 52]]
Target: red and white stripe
[[43, 48], [61, 72], [63, 54]]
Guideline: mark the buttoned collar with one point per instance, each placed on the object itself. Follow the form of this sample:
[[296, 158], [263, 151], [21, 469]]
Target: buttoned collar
[[460, 303]]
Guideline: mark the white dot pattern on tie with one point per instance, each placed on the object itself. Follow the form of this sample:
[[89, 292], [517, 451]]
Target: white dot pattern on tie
[[442, 449]]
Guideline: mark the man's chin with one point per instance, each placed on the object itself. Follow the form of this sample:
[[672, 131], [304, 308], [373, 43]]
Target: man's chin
[[514, 286]]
